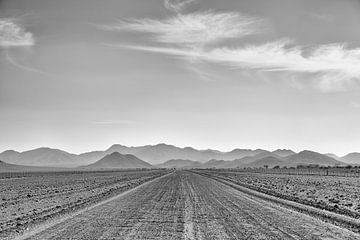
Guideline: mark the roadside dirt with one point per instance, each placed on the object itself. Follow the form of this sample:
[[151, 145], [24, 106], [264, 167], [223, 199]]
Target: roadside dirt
[[39, 198], [332, 193]]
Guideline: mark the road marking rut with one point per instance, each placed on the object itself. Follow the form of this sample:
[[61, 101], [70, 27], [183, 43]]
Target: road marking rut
[[189, 221]]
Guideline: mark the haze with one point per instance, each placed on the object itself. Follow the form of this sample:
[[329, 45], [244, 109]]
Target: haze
[[82, 75]]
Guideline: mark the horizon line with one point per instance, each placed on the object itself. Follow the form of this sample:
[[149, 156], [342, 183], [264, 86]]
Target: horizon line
[[177, 146]]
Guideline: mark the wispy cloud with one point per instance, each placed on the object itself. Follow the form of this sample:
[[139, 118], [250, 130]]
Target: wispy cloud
[[334, 66], [192, 33], [192, 30], [14, 62], [177, 5], [201, 36], [13, 35]]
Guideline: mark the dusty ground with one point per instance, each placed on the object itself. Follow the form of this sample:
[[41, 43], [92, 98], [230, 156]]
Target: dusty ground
[[333, 193], [39, 197], [184, 205]]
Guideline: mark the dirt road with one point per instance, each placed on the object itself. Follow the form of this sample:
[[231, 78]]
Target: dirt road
[[184, 205]]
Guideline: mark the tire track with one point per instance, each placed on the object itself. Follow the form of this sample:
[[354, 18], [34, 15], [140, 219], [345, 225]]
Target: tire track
[[189, 210]]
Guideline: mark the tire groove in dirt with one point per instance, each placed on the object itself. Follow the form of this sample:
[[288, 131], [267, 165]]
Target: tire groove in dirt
[[248, 208], [259, 220], [50, 224], [232, 228], [330, 217], [189, 211]]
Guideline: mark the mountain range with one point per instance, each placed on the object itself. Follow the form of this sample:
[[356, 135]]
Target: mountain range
[[8, 167], [161, 153], [268, 159], [46, 157]]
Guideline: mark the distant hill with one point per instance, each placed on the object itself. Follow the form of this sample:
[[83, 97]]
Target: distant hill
[[213, 163], [245, 161], [283, 152], [258, 160], [46, 157], [240, 153], [157, 154], [91, 157], [309, 157], [332, 156], [8, 167], [160, 153], [351, 158], [154, 154], [9, 156], [163, 152], [270, 159], [118, 161], [270, 162], [178, 163]]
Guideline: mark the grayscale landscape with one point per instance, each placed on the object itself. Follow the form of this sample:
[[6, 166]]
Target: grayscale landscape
[[180, 119]]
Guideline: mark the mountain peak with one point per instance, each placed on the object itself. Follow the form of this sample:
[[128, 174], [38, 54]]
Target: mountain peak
[[353, 154], [308, 152], [310, 157], [351, 158], [116, 146], [114, 154], [10, 152], [116, 160], [283, 152], [189, 148], [44, 149], [164, 145], [240, 150]]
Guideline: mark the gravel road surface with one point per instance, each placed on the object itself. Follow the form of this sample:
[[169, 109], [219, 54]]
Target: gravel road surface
[[184, 205]]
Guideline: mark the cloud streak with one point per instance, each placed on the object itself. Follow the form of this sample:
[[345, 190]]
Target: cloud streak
[[192, 30], [23, 67], [13, 35], [177, 5], [335, 66], [202, 36]]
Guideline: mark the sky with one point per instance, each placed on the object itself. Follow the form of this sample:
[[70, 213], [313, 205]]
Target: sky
[[81, 75]]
